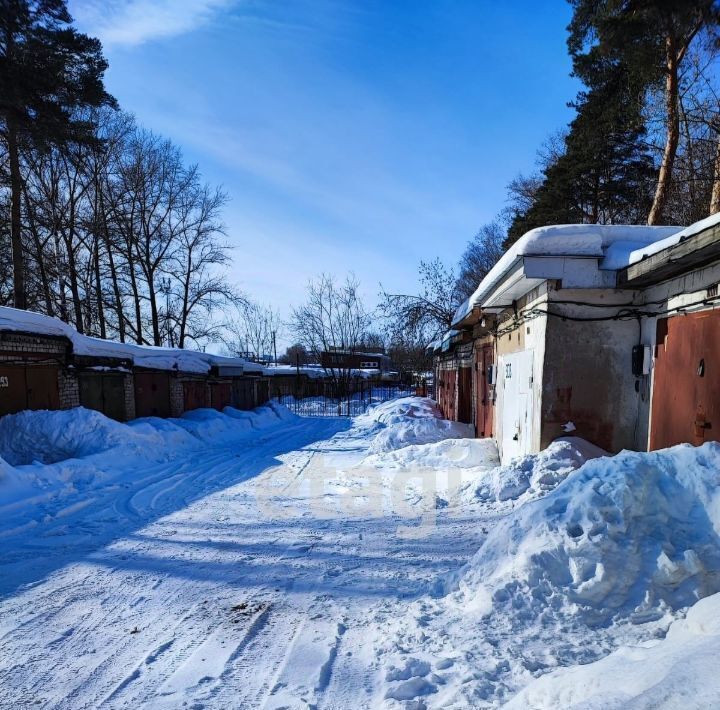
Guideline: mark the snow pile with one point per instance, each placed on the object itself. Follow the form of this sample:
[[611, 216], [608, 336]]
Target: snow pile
[[412, 420], [679, 671], [459, 454], [51, 436], [625, 537], [532, 475]]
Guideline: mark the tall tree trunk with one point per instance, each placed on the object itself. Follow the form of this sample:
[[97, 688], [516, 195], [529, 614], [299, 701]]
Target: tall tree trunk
[[113, 271], [154, 309], [715, 196], [60, 268], [672, 137], [19, 295], [98, 287], [74, 288], [40, 257], [186, 301], [136, 298]]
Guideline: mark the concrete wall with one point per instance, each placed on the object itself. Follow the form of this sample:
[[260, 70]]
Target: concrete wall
[[588, 376]]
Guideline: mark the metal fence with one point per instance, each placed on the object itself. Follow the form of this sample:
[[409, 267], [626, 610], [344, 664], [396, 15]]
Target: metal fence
[[325, 402]]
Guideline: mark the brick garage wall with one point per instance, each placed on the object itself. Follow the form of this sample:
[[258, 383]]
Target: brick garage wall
[[14, 346], [129, 384], [69, 389], [177, 397]]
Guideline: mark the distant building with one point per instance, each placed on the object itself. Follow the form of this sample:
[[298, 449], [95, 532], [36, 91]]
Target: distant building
[[350, 360]]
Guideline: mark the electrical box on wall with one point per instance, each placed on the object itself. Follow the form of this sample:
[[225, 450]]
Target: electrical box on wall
[[491, 374], [641, 356]]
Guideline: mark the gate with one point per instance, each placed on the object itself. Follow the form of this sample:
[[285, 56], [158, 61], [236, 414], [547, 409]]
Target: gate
[[326, 401]]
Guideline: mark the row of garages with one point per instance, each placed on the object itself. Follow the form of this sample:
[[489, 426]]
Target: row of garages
[[619, 345], [40, 370]]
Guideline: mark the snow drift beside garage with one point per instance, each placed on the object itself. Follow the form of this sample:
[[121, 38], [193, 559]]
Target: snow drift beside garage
[[412, 420]]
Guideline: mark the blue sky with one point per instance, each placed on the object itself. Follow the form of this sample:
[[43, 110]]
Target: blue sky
[[351, 136]]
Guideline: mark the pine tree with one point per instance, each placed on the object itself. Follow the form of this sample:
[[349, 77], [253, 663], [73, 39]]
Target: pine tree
[[650, 38], [604, 174], [48, 72]]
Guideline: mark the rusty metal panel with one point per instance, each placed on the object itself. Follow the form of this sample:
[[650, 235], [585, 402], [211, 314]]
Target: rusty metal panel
[[686, 386], [42, 387], [13, 389], [152, 394], [464, 408], [194, 394], [447, 405], [220, 395]]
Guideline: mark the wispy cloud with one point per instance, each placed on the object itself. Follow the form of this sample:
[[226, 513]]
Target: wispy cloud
[[132, 22]]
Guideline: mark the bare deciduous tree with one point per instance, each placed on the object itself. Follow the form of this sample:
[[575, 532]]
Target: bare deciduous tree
[[254, 332], [427, 315], [333, 319]]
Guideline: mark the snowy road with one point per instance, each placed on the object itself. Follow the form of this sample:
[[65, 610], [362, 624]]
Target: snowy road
[[254, 575]]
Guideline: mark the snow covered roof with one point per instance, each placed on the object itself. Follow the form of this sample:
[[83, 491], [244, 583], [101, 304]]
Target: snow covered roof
[[670, 241], [579, 241], [149, 356]]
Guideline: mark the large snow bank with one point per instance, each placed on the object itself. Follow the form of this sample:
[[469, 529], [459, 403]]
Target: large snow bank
[[531, 475], [623, 537], [459, 454], [48, 437], [679, 671], [412, 420], [52, 436]]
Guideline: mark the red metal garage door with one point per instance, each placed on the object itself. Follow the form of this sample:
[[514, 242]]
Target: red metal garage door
[[686, 384], [464, 410], [483, 392]]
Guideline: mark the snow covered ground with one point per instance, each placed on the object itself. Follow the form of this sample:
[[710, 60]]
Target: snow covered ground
[[264, 560]]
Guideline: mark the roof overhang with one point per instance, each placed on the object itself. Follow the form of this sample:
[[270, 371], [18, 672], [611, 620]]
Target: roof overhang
[[692, 252]]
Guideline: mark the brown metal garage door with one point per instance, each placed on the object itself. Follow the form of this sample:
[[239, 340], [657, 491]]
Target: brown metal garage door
[[220, 395], [243, 394], [104, 393], [32, 387], [686, 384], [195, 394], [152, 394], [464, 410]]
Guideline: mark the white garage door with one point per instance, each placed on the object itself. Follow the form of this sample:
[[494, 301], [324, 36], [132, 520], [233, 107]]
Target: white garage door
[[515, 375]]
